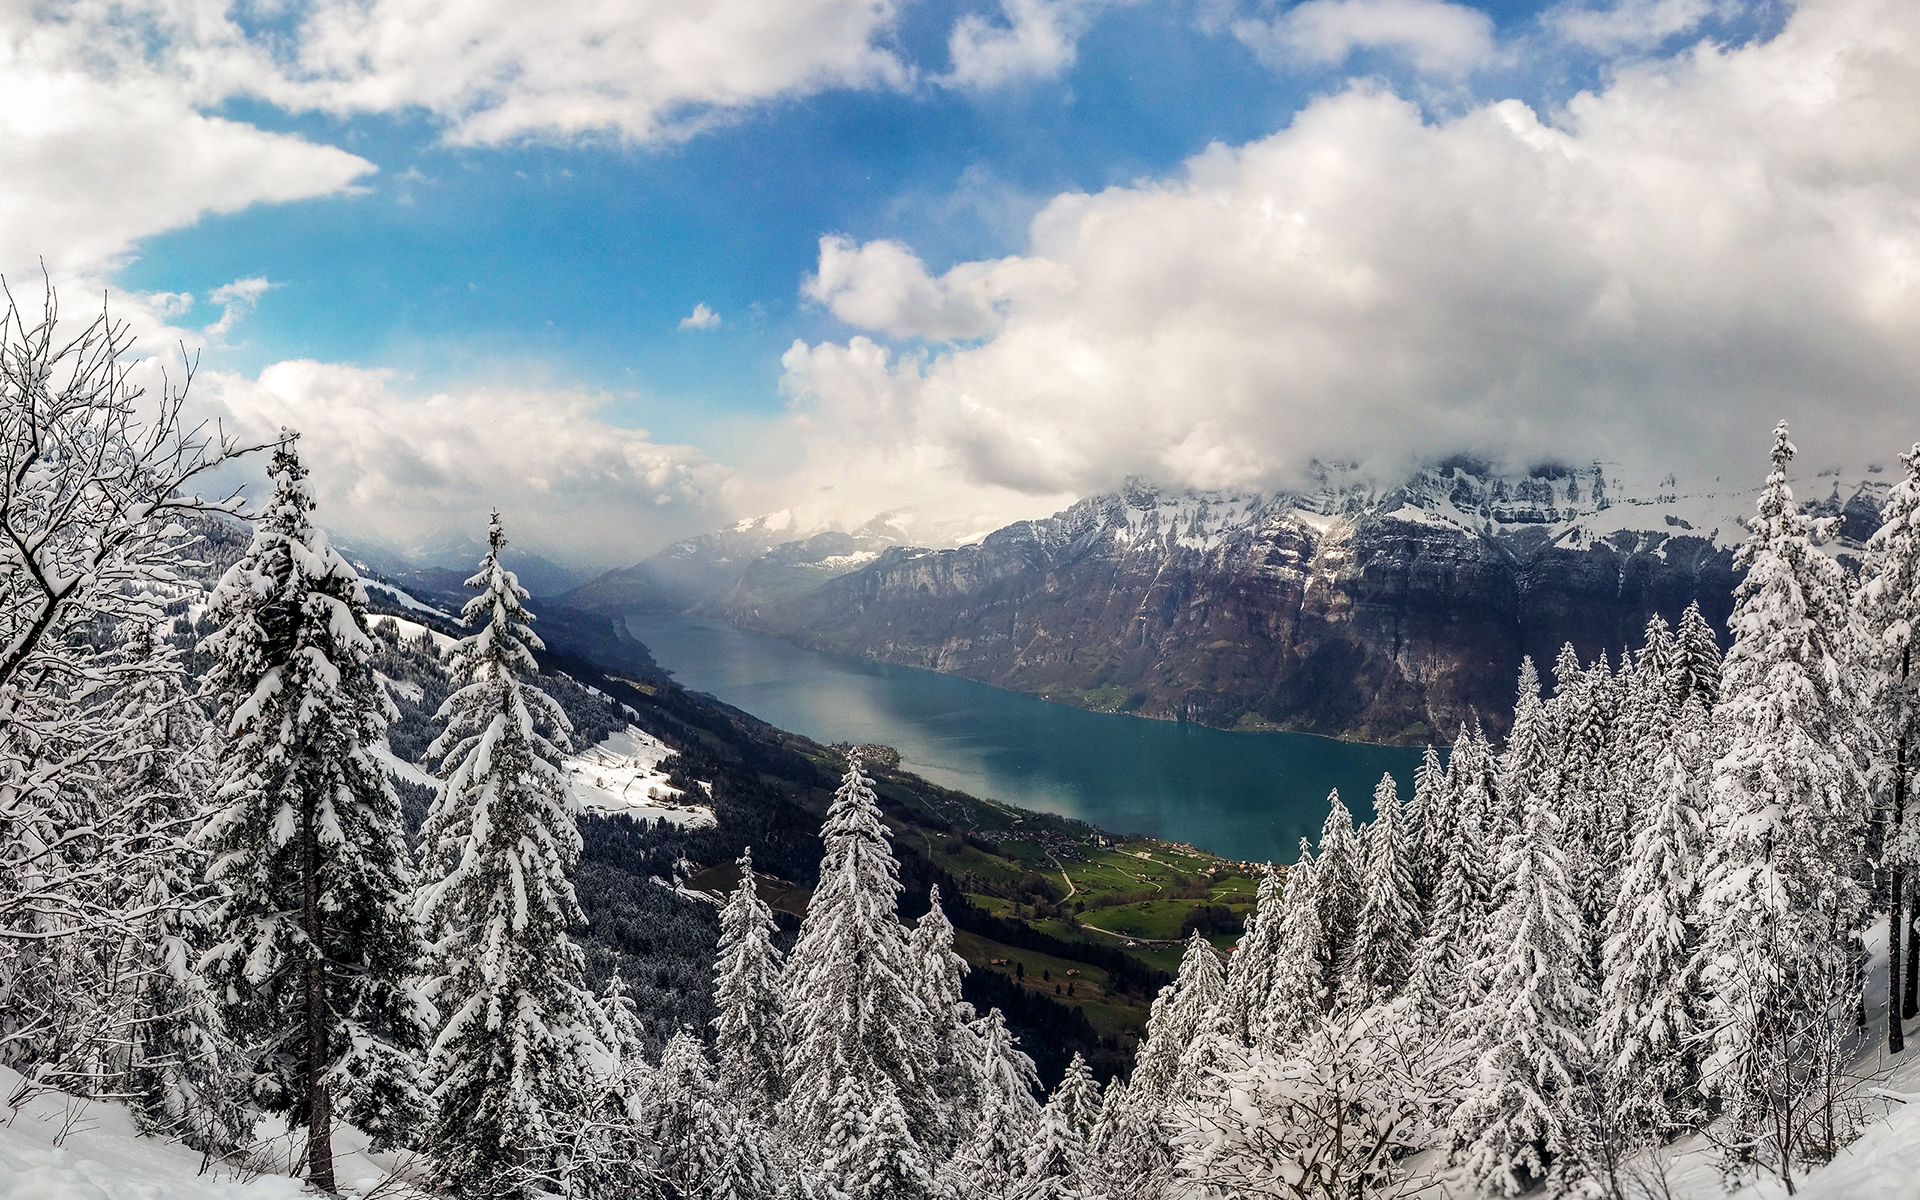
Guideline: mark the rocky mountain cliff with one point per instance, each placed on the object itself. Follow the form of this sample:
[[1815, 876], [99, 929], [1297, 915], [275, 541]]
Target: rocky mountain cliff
[[1383, 615]]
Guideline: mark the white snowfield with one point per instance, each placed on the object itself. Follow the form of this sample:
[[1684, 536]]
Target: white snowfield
[[60, 1147], [622, 776], [410, 630]]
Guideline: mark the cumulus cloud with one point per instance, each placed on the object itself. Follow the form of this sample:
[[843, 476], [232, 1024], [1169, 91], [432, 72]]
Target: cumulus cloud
[[406, 469], [93, 160], [1434, 37], [701, 317], [1653, 275], [1038, 39]]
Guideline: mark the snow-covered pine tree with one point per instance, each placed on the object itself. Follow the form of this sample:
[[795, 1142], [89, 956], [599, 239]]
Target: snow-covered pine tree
[[1078, 1096], [1528, 757], [953, 1085], [1128, 1154], [1889, 603], [522, 1040], [1583, 777], [1696, 662], [1443, 981], [1388, 925], [182, 1070], [1782, 897], [1055, 1167], [1250, 972], [993, 1161], [700, 1145], [1520, 1117], [316, 949], [750, 1034], [1427, 826], [1301, 989], [888, 1163], [854, 1006], [627, 1037], [1182, 1012], [1338, 890], [1646, 1037]]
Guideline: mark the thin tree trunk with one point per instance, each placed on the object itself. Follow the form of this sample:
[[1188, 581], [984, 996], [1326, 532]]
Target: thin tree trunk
[[1896, 1037], [319, 1114]]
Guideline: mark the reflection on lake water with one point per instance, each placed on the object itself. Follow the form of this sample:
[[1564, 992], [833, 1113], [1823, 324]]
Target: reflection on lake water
[[1242, 795]]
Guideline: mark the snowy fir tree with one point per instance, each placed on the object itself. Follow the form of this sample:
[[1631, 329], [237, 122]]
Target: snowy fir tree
[[953, 1085], [1181, 1014], [994, 1160], [316, 949], [626, 1035], [750, 1032], [1251, 970], [1889, 609], [1696, 662], [1646, 1039], [1055, 1164], [1520, 1117], [521, 1038], [1388, 923], [853, 993], [1443, 980], [1426, 829], [1337, 890], [1301, 989], [1782, 897], [1528, 757]]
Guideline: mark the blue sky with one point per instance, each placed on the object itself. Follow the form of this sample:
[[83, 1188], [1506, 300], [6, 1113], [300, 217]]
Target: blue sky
[[1208, 241], [578, 261]]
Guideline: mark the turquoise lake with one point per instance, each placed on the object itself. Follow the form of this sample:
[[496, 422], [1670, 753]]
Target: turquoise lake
[[1242, 795]]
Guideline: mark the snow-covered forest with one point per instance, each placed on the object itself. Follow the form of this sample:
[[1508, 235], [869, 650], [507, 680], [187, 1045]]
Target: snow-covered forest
[[1643, 921]]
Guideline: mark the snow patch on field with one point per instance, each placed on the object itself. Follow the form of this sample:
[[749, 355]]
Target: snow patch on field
[[406, 601], [409, 630], [623, 775]]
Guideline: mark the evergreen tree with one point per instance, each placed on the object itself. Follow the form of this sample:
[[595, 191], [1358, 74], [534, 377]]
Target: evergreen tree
[[1889, 603], [627, 1037], [522, 1039], [700, 1145], [995, 1159], [1251, 970], [1528, 759], [1520, 1116], [1181, 1014], [181, 1069], [1443, 981], [1426, 826], [750, 1032], [315, 948], [952, 1094], [1646, 1038], [1055, 1167], [1337, 889], [1782, 897], [1389, 915], [852, 990], [887, 1163], [1696, 662], [1301, 989]]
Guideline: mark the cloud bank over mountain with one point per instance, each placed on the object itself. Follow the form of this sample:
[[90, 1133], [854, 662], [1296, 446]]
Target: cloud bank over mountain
[[1703, 245]]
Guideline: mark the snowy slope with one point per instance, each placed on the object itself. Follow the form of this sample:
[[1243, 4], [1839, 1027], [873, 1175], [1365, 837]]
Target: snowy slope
[[59, 1147], [623, 776]]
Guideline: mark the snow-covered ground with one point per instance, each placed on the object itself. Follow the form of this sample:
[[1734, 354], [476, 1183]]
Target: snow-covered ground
[[413, 629], [58, 1147], [622, 775], [406, 601]]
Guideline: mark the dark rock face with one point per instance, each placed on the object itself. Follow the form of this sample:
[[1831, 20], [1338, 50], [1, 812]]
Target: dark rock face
[[1387, 621]]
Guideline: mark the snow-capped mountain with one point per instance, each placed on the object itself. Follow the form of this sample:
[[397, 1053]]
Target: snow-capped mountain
[[1382, 613]]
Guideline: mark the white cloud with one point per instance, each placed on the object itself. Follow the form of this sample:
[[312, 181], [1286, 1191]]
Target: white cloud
[[91, 162], [701, 317], [1434, 37], [1630, 24], [408, 469], [1656, 275], [884, 286], [1038, 39], [238, 299]]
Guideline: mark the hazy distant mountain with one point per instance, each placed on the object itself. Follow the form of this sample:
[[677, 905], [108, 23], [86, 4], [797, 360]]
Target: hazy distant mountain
[[443, 565]]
